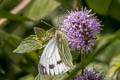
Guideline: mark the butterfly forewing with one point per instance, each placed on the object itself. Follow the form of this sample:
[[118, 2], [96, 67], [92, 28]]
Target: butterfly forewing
[[64, 49]]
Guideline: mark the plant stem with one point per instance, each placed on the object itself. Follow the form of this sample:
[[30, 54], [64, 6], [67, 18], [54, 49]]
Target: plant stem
[[82, 60]]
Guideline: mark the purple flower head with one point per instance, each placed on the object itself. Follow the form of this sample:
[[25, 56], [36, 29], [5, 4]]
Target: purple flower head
[[81, 28], [90, 75]]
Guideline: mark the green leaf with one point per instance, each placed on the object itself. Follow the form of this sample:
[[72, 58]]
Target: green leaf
[[29, 44], [45, 35], [43, 77], [99, 66], [106, 7], [50, 33], [38, 77], [60, 77], [115, 9], [39, 32], [2, 70], [27, 77], [100, 6], [110, 50], [9, 4], [118, 75], [114, 68], [5, 14], [33, 56], [41, 8], [10, 39], [35, 42]]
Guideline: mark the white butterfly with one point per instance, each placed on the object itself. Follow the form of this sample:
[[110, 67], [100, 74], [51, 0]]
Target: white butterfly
[[56, 58]]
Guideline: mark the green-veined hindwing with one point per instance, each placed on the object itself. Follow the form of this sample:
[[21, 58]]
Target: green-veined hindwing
[[64, 50], [56, 58]]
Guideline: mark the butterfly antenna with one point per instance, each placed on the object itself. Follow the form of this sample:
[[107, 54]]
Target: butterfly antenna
[[46, 23], [58, 21]]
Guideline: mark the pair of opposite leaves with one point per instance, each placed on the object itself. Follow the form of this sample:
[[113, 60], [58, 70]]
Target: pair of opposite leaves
[[56, 58]]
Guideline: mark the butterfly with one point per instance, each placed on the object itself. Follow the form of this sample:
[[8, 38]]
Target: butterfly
[[56, 58]]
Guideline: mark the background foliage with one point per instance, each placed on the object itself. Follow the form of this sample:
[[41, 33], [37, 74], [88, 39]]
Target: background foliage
[[106, 54]]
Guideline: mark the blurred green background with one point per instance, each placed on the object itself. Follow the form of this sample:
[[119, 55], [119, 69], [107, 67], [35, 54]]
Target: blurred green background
[[19, 26]]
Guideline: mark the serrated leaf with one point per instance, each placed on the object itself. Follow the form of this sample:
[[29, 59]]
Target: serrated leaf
[[39, 32], [41, 8], [45, 35], [29, 44], [50, 33]]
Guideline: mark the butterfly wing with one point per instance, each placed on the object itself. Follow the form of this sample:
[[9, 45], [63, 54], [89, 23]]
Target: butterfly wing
[[50, 61], [64, 49]]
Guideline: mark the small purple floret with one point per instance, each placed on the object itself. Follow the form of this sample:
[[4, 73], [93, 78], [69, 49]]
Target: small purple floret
[[90, 75], [81, 28]]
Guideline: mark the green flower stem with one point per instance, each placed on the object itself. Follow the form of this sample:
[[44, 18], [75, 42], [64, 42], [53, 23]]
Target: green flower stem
[[83, 57]]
